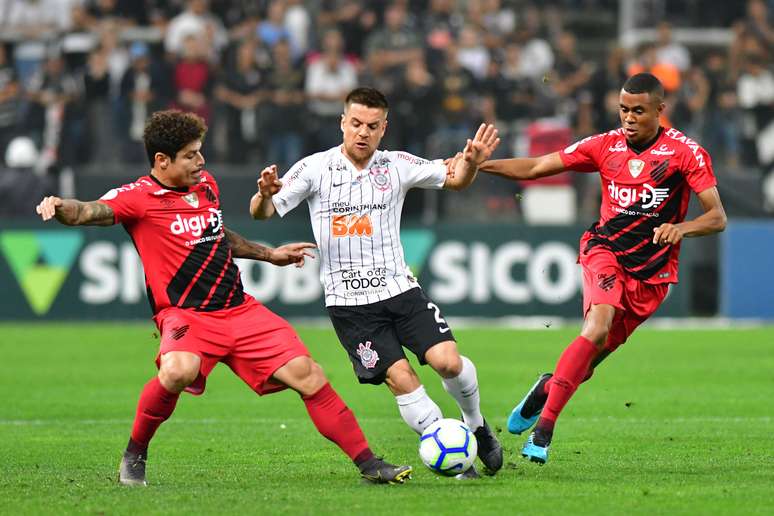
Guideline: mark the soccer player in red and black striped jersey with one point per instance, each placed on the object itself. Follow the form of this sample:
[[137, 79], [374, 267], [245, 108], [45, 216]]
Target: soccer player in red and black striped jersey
[[628, 257], [204, 317]]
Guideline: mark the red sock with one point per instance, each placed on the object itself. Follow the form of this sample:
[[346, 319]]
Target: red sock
[[155, 406], [571, 370], [335, 421]]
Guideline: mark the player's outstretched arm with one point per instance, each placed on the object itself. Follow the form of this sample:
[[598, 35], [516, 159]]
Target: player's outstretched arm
[[525, 168], [461, 170], [284, 255], [713, 220], [261, 206], [73, 212]]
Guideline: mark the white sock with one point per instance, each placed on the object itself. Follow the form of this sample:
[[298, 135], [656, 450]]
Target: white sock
[[418, 410], [464, 389]]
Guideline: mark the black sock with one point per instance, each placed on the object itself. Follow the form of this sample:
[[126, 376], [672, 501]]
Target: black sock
[[136, 448]]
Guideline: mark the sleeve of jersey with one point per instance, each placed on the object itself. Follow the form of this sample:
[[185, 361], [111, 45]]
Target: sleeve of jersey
[[698, 171], [126, 204], [582, 156], [416, 172], [296, 186]]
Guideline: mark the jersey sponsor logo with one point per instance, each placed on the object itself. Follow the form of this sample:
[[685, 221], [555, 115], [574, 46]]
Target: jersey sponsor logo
[[680, 137], [649, 196], [192, 199], [636, 167], [345, 207], [375, 278], [380, 178], [414, 160], [368, 357], [620, 146], [197, 224], [663, 150], [351, 225], [113, 193]]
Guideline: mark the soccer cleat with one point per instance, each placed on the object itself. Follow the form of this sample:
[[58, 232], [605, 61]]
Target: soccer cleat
[[132, 469], [526, 413], [377, 471], [536, 448], [469, 474], [489, 450]]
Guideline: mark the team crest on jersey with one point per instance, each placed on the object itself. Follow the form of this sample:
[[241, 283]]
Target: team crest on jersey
[[636, 166], [368, 357], [380, 178], [192, 199]]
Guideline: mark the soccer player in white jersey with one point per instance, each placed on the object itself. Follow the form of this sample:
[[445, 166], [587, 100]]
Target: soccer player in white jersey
[[355, 194]]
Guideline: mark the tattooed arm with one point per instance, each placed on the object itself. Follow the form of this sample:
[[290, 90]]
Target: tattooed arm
[[284, 255], [73, 212]]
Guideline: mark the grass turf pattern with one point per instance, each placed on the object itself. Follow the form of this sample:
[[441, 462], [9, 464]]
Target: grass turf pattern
[[675, 422]]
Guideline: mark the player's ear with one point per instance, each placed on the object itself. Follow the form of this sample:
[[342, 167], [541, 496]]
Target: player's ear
[[341, 124], [161, 159]]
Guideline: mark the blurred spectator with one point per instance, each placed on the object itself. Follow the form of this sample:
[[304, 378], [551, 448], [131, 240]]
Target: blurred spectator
[[669, 51], [415, 102], [513, 93], [472, 53], [9, 100], [241, 89], [286, 111], [537, 58], [198, 21], [33, 21], [605, 86], [758, 25], [497, 22], [329, 78], [440, 26], [755, 89], [272, 29], [193, 79], [121, 12], [690, 105], [298, 24], [721, 127], [20, 187], [648, 61], [145, 87], [397, 43], [56, 114], [570, 82], [354, 19]]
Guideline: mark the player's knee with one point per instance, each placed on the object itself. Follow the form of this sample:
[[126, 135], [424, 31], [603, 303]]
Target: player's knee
[[401, 378], [310, 377], [177, 376], [448, 365], [596, 332]]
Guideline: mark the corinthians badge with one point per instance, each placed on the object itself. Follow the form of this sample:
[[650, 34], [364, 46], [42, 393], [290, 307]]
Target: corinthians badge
[[192, 199], [369, 357], [380, 178], [636, 166]]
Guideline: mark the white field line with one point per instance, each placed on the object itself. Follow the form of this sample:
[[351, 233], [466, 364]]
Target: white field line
[[221, 421]]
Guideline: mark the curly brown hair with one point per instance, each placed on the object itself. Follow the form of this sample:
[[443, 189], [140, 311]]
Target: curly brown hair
[[169, 131]]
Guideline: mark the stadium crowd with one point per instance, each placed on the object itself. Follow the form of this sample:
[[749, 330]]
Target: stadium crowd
[[78, 78]]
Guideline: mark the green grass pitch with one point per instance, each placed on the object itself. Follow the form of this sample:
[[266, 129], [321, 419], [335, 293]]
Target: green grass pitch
[[676, 422]]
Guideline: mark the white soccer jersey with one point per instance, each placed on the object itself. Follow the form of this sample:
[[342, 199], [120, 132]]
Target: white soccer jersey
[[355, 217]]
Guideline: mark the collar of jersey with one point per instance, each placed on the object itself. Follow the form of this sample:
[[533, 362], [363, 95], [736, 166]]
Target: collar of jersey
[[182, 189], [347, 160], [640, 149]]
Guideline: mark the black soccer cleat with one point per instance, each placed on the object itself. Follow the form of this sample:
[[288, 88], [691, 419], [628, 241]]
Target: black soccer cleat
[[489, 450], [377, 471], [132, 469], [470, 474]]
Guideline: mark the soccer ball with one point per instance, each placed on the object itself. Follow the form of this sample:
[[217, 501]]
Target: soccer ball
[[448, 447]]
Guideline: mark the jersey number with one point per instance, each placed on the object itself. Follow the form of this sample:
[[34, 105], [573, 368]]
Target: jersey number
[[443, 326]]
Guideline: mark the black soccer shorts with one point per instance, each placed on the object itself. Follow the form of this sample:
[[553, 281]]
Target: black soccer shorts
[[374, 335]]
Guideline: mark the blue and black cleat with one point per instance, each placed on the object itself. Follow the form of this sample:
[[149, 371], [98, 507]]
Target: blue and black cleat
[[526, 413]]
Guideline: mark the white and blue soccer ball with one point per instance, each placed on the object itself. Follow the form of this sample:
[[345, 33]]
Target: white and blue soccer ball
[[448, 447]]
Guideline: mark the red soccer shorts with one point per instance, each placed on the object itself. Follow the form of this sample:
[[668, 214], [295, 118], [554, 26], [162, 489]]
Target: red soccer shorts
[[251, 339], [606, 283]]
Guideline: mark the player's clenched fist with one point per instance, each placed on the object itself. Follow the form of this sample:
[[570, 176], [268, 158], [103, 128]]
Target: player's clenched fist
[[47, 207], [269, 182], [667, 234]]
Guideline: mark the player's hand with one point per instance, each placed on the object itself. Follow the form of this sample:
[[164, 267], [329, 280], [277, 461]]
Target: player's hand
[[269, 182], [483, 144], [47, 207], [451, 164], [667, 234], [292, 253]]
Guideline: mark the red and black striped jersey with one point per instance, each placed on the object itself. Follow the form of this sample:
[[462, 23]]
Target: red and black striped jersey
[[641, 189], [179, 235]]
